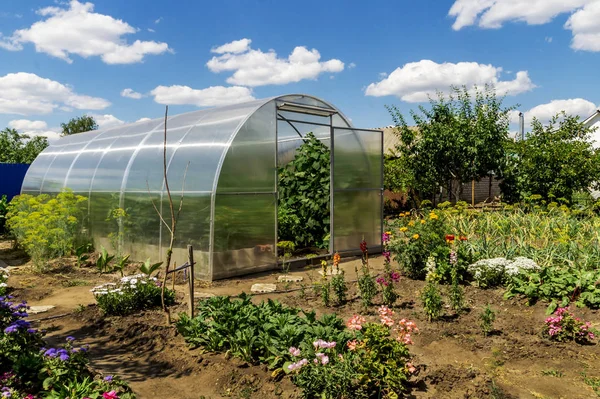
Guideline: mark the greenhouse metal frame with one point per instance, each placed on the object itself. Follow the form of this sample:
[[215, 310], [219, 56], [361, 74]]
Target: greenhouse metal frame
[[224, 163]]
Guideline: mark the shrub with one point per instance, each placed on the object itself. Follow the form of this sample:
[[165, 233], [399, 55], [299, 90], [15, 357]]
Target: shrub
[[28, 369], [565, 327], [389, 277], [4, 273], [46, 227], [432, 301], [303, 211], [3, 210], [499, 271], [131, 294], [487, 318]]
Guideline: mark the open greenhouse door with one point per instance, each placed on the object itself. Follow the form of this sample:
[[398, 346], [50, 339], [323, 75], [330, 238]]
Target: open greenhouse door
[[357, 189]]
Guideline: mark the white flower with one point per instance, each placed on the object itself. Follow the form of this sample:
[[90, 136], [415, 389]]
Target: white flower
[[143, 282], [133, 281], [2, 285]]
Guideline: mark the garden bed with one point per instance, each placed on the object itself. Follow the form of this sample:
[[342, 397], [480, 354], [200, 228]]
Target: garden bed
[[452, 357]]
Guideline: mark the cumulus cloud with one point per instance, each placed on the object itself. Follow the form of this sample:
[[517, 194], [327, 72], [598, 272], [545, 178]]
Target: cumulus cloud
[[144, 119], [130, 93], [27, 93], [107, 120], [34, 128], [236, 46], [78, 30], [492, 14], [209, 97], [544, 112], [257, 68], [416, 81]]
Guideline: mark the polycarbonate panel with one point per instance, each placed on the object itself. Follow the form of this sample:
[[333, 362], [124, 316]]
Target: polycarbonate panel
[[84, 166], [290, 136], [244, 234], [306, 100], [255, 141], [55, 178], [297, 116], [141, 228], [32, 183], [111, 169], [145, 170], [357, 216], [103, 229], [357, 159], [193, 228]]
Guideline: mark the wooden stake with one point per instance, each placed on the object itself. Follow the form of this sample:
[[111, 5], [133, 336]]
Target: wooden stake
[[190, 276]]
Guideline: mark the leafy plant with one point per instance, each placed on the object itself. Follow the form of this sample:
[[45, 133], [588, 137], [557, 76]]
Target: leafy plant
[[148, 268], [131, 294], [303, 210], [46, 227], [3, 211], [487, 318], [566, 327], [432, 301], [456, 294], [121, 264], [82, 253], [20, 148], [103, 262], [340, 288]]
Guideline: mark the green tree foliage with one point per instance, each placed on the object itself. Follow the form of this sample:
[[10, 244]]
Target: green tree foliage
[[554, 161], [304, 195], [459, 137], [79, 124], [20, 148]]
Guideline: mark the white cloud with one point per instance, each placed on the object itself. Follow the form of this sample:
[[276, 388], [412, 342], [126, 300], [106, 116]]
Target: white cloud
[[26, 94], [236, 46], [351, 65], [26, 124], [78, 30], [144, 119], [107, 120], [585, 27], [151, 30], [157, 21], [548, 39], [257, 68], [544, 112], [416, 81], [492, 14], [34, 128], [130, 93], [209, 97]]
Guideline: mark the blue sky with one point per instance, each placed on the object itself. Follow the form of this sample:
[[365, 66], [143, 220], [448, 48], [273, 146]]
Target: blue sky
[[63, 59]]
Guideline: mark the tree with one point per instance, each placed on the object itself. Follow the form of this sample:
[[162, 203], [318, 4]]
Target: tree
[[20, 148], [461, 137], [554, 161], [79, 124]]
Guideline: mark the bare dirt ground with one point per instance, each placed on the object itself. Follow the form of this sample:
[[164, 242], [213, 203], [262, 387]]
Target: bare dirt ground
[[454, 359]]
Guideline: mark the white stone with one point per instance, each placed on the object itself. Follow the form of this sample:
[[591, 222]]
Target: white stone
[[263, 288], [289, 279], [39, 309]]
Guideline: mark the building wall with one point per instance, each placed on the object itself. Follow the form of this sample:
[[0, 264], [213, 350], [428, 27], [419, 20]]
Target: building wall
[[11, 178]]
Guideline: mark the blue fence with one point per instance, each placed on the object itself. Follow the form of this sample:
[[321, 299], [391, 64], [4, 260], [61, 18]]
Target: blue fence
[[11, 178]]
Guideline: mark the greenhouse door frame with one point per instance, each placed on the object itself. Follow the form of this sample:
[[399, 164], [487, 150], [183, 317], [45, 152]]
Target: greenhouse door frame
[[323, 112]]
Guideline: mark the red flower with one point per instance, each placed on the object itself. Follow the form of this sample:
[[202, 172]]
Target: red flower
[[110, 395], [463, 238], [449, 237], [363, 246]]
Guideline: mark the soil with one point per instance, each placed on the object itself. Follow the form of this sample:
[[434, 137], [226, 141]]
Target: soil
[[453, 358]]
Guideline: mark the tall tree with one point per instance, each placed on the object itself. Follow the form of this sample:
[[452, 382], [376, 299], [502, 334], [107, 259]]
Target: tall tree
[[20, 148], [460, 137], [554, 161], [79, 124]]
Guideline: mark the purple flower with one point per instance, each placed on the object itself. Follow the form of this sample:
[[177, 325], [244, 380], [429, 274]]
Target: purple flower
[[64, 357], [108, 378], [70, 339], [51, 353], [11, 329], [31, 330]]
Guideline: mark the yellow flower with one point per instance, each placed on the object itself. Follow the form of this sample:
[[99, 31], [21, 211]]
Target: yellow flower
[[411, 223], [416, 236], [389, 233], [433, 216], [403, 229], [422, 221]]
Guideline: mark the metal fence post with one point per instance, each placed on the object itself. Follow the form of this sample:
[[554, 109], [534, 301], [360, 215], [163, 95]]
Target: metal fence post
[[191, 279]]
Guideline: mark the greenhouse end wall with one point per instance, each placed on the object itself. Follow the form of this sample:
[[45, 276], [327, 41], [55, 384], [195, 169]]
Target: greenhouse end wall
[[222, 164]]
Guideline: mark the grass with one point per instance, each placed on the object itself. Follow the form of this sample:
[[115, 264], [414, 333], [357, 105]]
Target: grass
[[553, 373], [75, 283]]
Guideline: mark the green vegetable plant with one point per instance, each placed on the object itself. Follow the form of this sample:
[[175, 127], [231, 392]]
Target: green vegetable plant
[[432, 301], [121, 264], [487, 318], [82, 253], [103, 262], [149, 268]]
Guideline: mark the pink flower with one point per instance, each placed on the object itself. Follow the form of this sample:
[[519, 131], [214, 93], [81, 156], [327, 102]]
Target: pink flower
[[298, 365], [387, 321], [352, 344], [411, 369], [355, 323], [395, 277], [385, 311], [294, 351], [110, 395]]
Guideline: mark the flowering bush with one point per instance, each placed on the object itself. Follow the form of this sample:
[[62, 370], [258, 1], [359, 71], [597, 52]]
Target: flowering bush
[[389, 277], [374, 364], [28, 370], [4, 273], [130, 294], [498, 271], [563, 326]]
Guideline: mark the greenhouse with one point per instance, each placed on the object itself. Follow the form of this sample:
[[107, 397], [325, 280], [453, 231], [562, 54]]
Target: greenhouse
[[224, 164]]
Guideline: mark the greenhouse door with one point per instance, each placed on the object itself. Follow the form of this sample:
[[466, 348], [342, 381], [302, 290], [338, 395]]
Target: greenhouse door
[[357, 189]]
